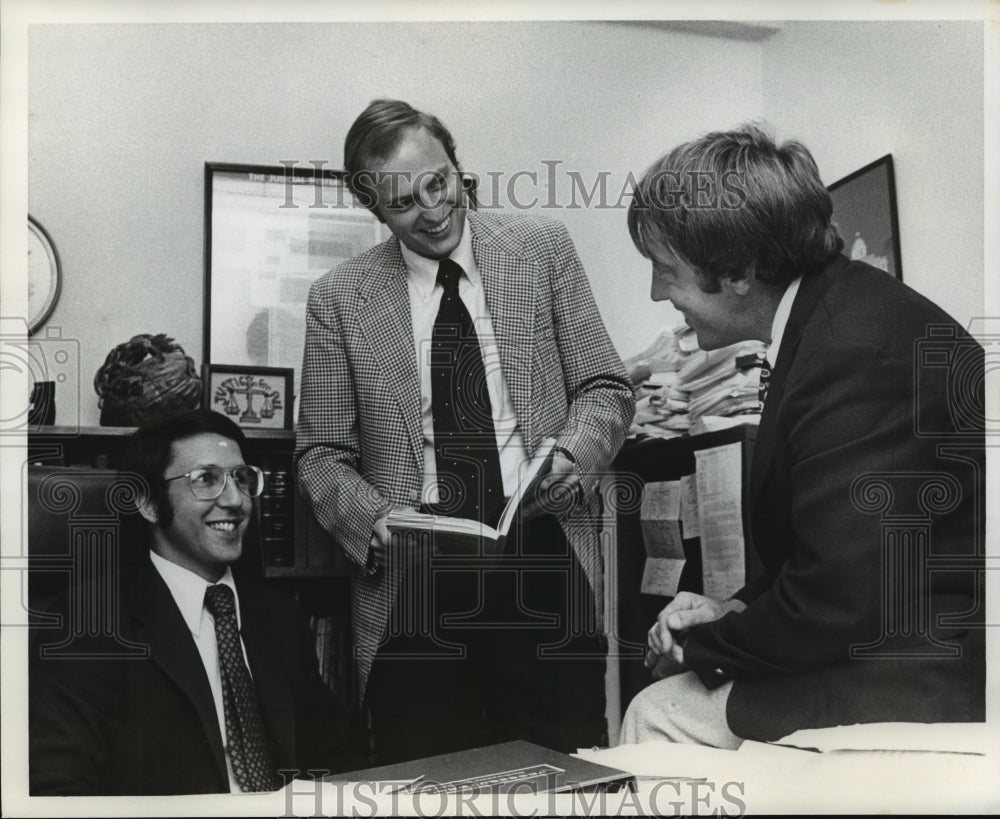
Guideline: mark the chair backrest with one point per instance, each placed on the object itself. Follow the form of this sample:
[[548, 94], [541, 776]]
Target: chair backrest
[[80, 521]]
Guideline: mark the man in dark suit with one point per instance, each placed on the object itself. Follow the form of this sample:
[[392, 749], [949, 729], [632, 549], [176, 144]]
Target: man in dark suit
[[223, 691], [866, 494], [456, 656]]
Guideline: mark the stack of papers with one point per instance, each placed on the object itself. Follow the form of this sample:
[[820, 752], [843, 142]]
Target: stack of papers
[[688, 385], [717, 386], [887, 767], [939, 737]]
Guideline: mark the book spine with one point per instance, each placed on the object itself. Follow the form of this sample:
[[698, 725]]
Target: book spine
[[321, 642], [277, 518], [331, 652]]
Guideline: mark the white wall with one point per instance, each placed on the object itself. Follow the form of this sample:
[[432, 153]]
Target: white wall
[[122, 118], [855, 91]]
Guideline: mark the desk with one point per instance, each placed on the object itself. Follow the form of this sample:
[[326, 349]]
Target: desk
[[674, 780], [757, 779]]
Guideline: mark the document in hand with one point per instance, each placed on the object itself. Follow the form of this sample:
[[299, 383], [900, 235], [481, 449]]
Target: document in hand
[[462, 536]]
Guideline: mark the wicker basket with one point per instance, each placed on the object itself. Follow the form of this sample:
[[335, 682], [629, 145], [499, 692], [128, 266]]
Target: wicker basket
[[145, 380]]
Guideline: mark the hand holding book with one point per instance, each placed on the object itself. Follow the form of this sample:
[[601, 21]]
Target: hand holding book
[[558, 479], [459, 536], [379, 543]]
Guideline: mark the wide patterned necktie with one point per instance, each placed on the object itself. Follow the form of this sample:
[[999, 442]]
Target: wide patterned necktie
[[470, 484], [246, 741], [765, 380]]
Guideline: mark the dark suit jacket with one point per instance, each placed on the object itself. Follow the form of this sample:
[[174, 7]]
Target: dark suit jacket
[[866, 516], [110, 725]]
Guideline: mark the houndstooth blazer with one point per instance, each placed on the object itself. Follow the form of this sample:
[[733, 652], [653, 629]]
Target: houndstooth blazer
[[359, 445]]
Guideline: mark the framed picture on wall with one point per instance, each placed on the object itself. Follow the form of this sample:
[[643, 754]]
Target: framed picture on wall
[[864, 210], [254, 397], [270, 232]]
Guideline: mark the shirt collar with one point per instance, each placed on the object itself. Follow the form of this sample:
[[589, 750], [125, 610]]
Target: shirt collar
[[423, 271], [188, 590], [780, 320]]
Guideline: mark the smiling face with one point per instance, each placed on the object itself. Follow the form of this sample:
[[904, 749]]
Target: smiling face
[[718, 319], [420, 196], [203, 536]]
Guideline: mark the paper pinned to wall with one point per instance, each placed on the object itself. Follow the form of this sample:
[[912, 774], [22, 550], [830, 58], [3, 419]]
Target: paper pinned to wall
[[689, 507], [661, 532], [660, 516], [661, 575], [719, 473]]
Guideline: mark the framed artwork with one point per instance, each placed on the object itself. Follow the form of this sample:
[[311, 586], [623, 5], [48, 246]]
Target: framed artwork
[[254, 397], [270, 232], [44, 276], [864, 210]]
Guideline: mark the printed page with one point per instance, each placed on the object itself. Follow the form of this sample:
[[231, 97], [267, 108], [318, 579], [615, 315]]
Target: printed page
[[661, 532], [719, 473], [689, 507]]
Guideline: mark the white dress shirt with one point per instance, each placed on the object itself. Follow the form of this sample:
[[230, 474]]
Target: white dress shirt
[[188, 591], [425, 298], [780, 321]]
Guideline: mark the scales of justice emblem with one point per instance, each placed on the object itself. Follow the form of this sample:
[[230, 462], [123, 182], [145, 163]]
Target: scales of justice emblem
[[246, 389]]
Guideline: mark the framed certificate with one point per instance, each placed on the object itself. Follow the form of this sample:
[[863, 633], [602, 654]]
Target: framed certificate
[[270, 232], [254, 397]]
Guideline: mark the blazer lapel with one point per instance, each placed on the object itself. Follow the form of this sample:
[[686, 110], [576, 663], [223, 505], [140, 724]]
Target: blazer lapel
[[509, 279], [810, 291], [160, 624], [384, 317], [260, 634]]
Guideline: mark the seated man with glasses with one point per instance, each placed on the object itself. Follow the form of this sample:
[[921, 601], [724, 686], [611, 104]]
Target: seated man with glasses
[[223, 693]]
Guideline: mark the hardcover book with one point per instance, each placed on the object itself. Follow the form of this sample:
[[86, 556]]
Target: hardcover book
[[462, 536]]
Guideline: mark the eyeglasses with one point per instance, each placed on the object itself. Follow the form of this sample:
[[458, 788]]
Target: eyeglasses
[[208, 482]]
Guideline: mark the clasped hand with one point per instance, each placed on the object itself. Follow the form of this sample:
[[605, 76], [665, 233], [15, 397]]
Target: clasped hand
[[664, 652]]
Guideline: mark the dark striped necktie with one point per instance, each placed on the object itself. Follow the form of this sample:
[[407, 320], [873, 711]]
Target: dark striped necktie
[[765, 381], [470, 484], [246, 740]]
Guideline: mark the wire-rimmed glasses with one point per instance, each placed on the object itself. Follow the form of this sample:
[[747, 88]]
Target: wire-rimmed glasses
[[208, 482]]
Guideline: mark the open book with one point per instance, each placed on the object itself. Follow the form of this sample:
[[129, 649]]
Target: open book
[[462, 536]]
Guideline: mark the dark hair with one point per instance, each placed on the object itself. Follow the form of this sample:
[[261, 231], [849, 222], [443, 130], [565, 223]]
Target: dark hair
[[150, 449], [374, 137], [734, 203]]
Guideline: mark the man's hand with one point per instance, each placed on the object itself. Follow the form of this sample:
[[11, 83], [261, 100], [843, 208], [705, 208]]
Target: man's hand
[[663, 667], [685, 611], [380, 540], [554, 491]]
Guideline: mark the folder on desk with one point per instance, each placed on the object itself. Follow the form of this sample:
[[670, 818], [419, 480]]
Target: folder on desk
[[510, 767]]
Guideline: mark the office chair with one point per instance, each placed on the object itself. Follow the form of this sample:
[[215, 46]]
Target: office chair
[[83, 533]]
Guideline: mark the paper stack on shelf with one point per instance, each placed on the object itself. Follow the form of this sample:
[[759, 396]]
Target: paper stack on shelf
[[682, 389], [723, 382]]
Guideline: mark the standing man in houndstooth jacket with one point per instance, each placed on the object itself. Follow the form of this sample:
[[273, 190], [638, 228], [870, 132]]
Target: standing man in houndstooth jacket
[[452, 659]]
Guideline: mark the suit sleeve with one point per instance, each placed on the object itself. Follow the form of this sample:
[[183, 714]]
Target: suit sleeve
[[849, 414], [327, 437], [601, 402], [74, 714]]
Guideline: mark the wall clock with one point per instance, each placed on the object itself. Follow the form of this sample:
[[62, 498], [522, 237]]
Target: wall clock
[[44, 276]]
